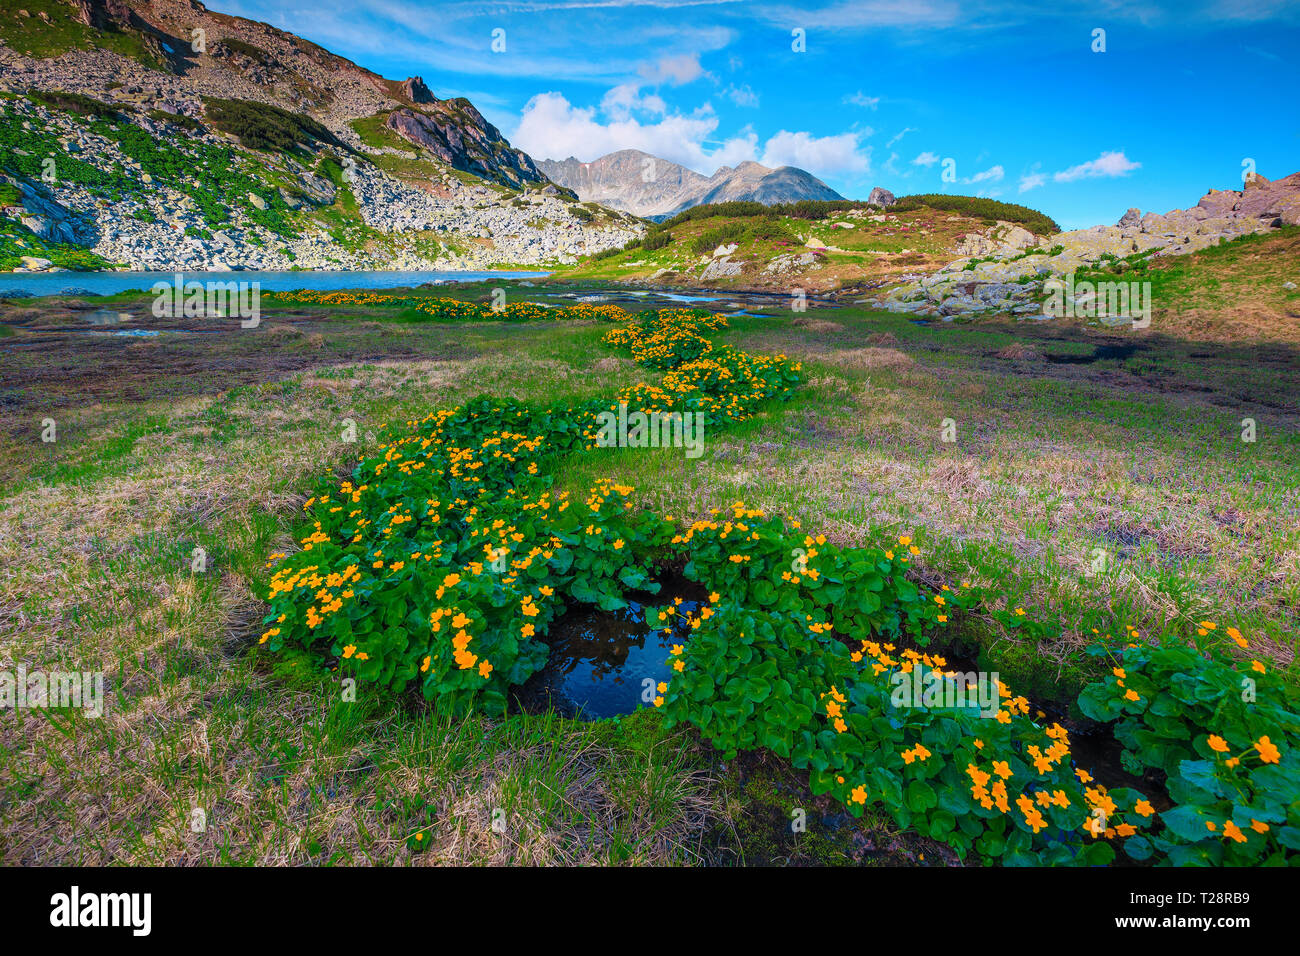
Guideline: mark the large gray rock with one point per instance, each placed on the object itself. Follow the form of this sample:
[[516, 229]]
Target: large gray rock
[[881, 197]]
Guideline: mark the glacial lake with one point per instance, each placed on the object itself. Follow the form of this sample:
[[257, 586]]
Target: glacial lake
[[108, 283]]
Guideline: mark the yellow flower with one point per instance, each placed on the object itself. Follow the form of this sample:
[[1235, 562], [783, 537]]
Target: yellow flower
[[1217, 744], [1268, 751]]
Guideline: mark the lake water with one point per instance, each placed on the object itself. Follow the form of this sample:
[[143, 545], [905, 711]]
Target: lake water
[[107, 283]]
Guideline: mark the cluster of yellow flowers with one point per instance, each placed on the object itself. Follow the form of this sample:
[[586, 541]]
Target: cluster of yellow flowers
[[448, 308]]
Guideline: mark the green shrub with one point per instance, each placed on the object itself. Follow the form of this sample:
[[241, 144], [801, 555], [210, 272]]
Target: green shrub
[[73, 103], [656, 239], [979, 207], [177, 119], [236, 45], [709, 240], [265, 127], [768, 229]]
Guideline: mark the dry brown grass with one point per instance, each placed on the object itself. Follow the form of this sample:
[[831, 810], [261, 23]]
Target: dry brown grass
[[816, 325], [869, 358], [1019, 352]]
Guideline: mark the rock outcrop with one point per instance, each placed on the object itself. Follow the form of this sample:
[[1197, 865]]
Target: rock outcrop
[[1002, 269], [456, 133]]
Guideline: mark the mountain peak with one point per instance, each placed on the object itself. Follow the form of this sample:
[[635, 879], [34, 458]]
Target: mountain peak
[[660, 188]]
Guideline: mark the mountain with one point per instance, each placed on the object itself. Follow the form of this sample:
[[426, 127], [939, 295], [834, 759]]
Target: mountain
[[184, 138], [655, 188], [179, 49]]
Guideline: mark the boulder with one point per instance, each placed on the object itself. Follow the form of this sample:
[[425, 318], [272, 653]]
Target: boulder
[[881, 197], [721, 269]]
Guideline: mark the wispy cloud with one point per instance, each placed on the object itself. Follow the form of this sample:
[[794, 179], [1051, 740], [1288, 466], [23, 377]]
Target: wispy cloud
[[741, 95], [1107, 164], [992, 174], [1032, 180], [861, 99]]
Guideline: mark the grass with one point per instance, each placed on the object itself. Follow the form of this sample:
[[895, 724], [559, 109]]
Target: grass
[[209, 441], [63, 32], [1233, 291], [849, 248]]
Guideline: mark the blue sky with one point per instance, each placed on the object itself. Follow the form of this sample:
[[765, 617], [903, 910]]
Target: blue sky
[[882, 94]]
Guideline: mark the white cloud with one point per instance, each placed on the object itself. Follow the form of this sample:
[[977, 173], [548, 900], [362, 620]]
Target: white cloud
[[869, 14], [861, 99], [553, 128], [926, 158], [903, 132], [674, 70], [1032, 181], [992, 174], [742, 95], [623, 99], [817, 154], [1107, 164]]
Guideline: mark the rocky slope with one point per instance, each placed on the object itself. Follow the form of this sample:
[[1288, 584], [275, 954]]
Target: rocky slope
[[655, 188], [396, 178], [1003, 268]]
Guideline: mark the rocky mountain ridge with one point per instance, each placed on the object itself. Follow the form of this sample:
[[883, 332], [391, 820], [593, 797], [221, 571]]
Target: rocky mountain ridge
[[404, 179], [654, 188], [1003, 268]]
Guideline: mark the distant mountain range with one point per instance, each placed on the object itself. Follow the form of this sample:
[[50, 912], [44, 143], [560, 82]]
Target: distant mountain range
[[654, 188]]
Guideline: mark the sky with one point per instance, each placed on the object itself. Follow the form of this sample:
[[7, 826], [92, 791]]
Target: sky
[[1082, 110]]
